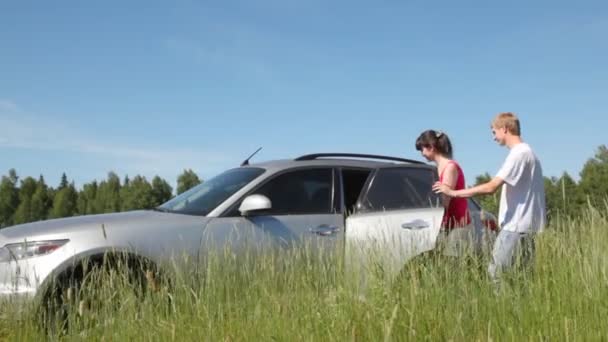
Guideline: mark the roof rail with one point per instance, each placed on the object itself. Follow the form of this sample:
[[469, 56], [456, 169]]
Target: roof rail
[[356, 155]]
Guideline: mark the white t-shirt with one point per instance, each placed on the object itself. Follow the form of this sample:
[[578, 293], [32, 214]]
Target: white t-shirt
[[522, 202]]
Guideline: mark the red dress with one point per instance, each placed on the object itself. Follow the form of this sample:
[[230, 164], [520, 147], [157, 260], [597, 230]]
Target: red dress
[[457, 213]]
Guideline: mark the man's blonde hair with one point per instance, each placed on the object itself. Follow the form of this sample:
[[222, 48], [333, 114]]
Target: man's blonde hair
[[509, 121]]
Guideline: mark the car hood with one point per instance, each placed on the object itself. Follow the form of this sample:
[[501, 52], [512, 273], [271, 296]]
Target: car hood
[[121, 220]]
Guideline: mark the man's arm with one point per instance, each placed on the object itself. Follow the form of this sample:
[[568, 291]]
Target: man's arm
[[481, 189]]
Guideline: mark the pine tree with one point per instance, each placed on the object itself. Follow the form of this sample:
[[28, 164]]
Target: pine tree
[[64, 182], [41, 201]]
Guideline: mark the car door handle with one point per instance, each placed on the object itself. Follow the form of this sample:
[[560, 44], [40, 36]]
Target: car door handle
[[325, 230], [416, 224]]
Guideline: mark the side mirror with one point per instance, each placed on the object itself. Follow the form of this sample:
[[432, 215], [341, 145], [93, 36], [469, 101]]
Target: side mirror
[[253, 203]]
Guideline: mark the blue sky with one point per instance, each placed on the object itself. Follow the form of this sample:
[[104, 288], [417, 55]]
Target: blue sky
[[150, 87]]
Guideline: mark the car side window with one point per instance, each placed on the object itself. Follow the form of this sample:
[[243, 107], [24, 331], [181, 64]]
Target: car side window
[[305, 191], [400, 188], [353, 181]]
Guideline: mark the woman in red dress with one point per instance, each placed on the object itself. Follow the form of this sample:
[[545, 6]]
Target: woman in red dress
[[456, 234]]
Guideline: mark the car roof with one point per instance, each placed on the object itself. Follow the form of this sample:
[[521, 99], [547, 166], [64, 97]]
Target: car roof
[[340, 160]]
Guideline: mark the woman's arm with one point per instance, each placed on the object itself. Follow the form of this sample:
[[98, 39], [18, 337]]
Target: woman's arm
[[450, 178]]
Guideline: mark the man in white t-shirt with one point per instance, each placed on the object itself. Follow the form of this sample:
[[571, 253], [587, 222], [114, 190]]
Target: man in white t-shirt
[[522, 204]]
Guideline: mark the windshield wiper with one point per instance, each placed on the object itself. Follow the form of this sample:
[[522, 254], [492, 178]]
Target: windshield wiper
[[162, 210]]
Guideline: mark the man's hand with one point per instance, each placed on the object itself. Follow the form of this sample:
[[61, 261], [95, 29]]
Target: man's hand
[[481, 189], [440, 188]]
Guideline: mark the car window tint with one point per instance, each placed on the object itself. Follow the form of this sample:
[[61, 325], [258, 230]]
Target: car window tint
[[300, 192], [353, 181], [400, 188]]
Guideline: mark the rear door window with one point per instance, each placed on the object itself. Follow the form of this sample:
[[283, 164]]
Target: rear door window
[[353, 181], [400, 188]]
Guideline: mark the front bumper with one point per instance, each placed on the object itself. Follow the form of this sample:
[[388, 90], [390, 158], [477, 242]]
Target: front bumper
[[23, 278], [18, 279]]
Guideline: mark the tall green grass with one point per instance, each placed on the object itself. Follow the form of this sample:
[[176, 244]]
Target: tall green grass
[[291, 295]]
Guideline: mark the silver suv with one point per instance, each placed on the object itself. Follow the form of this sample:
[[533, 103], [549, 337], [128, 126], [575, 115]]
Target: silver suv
[[322, 199]]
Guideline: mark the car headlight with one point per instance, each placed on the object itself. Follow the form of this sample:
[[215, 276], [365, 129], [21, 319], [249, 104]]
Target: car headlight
[[29, 249]]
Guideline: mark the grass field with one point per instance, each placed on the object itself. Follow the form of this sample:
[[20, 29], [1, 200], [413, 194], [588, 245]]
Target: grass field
[[289, 296]]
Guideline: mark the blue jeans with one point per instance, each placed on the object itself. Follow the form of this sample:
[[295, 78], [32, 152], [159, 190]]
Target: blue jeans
[[511, 249]]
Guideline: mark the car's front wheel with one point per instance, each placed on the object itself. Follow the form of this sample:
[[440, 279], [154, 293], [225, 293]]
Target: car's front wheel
[[94, 289]]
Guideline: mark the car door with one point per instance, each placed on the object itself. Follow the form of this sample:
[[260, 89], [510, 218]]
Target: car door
[[303, 212], [397, 218]]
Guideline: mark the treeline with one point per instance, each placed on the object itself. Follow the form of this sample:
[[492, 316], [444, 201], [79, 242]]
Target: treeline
[[566, 197], [28, 199]]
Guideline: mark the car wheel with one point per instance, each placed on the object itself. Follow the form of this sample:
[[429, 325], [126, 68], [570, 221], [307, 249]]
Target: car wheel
[[84, 293]]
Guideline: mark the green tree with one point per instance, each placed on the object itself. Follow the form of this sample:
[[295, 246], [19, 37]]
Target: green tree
[[41, 201], [161, 191], [64, 203], [552, 197], [86, 203], [569, 202], [108, 195], [9, 198], [24, 212], [561, 196], [137, 194], [187, 180], [488, 202], [594, 179]]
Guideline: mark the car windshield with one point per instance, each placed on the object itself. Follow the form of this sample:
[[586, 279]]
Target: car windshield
[[203, 198]]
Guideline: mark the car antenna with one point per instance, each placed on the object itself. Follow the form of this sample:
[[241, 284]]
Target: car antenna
[[246, 161]]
